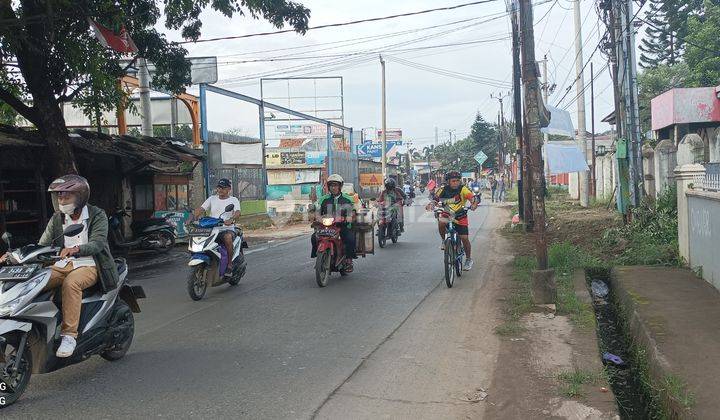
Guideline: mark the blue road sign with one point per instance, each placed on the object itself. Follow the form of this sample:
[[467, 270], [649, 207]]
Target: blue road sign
[[372, 149]]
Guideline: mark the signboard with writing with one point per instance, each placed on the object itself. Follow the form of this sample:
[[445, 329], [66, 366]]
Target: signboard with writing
[[273, 159], [480, 157], [369, 149], [177, 219], [292, 158], [371, 180], [392, 134]]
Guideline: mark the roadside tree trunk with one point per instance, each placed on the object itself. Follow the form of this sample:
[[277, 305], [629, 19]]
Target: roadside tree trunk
[[59, 159]]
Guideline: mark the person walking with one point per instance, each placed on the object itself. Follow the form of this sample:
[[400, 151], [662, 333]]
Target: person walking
[[493, 187], [501, 185]]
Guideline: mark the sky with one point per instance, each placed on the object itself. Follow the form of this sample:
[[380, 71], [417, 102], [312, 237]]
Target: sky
[[417, 100]]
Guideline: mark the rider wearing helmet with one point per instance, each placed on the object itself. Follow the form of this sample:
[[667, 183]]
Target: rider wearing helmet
[[85, 258], [456, 195], [393, 197], [341, 206]]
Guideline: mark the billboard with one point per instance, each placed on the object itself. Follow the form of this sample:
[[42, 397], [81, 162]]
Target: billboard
[[392, 134]]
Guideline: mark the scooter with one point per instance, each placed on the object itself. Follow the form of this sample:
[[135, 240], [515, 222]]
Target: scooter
[[152, 234], [209, 258], [388, 226], [30, 318], [330, 250]]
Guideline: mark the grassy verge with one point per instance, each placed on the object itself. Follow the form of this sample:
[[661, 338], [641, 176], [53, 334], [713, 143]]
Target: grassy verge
[[520, 301], [572, 383]]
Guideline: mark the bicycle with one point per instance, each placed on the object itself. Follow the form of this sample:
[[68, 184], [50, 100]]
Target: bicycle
[[454, 251]]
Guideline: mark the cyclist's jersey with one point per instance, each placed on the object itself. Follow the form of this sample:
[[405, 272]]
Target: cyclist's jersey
[[457, 200]]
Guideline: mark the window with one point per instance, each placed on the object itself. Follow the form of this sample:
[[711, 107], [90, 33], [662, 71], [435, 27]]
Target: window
[[144, 197], [171, 197]]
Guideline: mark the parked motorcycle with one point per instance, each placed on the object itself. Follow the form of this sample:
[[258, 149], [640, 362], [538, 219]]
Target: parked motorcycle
[[30, 318], [209, 258], [330, 250], [388, 226], [152, 234]]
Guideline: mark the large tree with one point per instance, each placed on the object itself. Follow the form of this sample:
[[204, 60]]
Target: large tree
[[460, 156], [702, 51], [654, 81], [660, 45], [48, 54]]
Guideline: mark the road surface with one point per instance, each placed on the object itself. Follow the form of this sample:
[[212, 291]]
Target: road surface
[[388, 340]]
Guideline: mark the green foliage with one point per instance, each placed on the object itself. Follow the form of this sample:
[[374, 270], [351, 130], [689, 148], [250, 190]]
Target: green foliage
[[520, 301], [460, 155], [701, 54], [651, 237], [678, 389], [573, 381], [660, 46]]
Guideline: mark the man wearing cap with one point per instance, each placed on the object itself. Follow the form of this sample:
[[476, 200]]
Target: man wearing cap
[[215, 207]]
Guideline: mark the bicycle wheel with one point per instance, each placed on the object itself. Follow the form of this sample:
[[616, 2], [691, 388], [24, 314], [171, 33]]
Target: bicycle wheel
[[449, 263], [459, 252]]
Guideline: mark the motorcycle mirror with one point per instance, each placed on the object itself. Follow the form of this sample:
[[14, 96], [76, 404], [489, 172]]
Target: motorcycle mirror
[[229, 207], [73, 230], [7, 237]]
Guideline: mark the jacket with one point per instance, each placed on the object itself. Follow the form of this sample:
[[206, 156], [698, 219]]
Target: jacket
[[97, 245], [340, 206], [399, 196]]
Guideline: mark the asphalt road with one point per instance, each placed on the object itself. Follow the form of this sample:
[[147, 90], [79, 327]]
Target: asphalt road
[[276, 346]]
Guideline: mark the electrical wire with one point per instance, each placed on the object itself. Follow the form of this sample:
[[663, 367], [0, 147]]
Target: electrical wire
[[333, 25], [450, 73]]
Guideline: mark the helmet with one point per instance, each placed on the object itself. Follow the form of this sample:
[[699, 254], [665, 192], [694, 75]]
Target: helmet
[[336, 178], [452, 175], [224, 183], [390, 183], [70, 183]]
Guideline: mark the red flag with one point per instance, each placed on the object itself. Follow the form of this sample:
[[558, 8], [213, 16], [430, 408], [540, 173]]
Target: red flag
[[120, 43]]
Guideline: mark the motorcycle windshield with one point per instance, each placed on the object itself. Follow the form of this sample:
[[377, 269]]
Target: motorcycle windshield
[[208, 222]]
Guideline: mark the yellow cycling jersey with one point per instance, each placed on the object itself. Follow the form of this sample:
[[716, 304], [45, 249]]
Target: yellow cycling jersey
[[456, 199]]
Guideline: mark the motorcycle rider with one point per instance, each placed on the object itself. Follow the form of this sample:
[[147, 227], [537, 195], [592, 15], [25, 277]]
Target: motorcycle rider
[[84, 259], [341, 206], [459, 194], [393, 198], [215, 206]]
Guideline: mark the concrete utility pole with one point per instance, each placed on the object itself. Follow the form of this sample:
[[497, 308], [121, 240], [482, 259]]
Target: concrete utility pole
[[543, 283], [146, 112], [436, 136], [593, 173], [584, 183], [523, 184], [546, 92], [384, 122], [501, 130]]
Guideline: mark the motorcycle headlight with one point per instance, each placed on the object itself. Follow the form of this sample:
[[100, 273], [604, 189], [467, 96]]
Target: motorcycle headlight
[[328, 221], [9, 307]]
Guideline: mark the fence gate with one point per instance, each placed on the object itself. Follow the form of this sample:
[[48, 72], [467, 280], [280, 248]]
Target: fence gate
[[248, 183], [346, 165]]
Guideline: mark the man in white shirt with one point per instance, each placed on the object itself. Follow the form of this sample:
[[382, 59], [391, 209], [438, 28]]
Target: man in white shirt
[[215, 206]]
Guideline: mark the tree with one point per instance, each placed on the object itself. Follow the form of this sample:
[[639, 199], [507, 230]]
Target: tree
[[660, 45], [654, 81], [59, 60], [703, 45], [461, 155]]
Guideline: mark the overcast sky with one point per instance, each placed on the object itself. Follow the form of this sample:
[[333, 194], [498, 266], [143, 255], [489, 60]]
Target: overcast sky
[[417, 100]]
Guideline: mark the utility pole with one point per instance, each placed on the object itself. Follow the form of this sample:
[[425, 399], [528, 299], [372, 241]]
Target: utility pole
[[593, 172], [546, 92], [523, 184], [543, 283], [384, 122], [584, 183], [501, 130], [636, 173], [146, 112]]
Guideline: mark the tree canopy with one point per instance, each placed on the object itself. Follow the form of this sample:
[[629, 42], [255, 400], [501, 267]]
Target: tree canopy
[[460, 156], [49, 55]]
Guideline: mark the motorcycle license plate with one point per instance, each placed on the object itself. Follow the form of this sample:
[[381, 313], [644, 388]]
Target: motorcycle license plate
[[327, 232], [196, 231], [18, 273]]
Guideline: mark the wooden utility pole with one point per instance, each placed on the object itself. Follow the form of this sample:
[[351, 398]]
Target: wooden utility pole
[[543, 284], [524, 184]]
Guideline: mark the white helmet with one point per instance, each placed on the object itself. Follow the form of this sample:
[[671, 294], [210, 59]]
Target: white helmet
[[336, 178]]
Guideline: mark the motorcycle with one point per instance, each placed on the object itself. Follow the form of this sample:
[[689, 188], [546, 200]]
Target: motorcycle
[[388, 226], [330, 250], [209, 258], [30, 318], [478, 194], [153, 234]]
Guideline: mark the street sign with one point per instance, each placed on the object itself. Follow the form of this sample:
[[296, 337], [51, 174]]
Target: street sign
[[480, 157], [371, 180], [371, 149]]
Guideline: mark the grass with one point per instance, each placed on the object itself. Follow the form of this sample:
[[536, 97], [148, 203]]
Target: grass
[[520, 301], [677, 388], [565, 258], [572, 382]]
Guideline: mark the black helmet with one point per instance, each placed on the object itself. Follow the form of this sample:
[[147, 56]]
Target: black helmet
[[224, 183], [452, 175], [389, 183]]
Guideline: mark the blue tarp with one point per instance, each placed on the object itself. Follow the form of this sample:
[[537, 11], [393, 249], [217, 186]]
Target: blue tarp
[[565, 159]]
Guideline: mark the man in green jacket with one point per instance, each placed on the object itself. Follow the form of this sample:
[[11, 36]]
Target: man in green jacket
[[85, 258]]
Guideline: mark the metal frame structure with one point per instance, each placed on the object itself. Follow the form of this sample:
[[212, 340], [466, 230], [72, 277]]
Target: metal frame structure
[[204, 88]]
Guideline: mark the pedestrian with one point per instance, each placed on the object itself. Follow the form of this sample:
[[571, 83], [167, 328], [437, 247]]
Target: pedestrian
[[501, 188], [493, 187]]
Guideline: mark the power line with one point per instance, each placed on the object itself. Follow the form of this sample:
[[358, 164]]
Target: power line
[[333, 25], [450, 73]]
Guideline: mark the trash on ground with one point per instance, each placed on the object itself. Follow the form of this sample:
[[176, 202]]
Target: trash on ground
[[599, 288], [616, 360], [603, 389], [517, 339], [475, 396]]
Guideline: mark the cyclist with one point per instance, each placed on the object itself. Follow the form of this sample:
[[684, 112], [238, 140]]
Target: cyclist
[[456, 195]]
